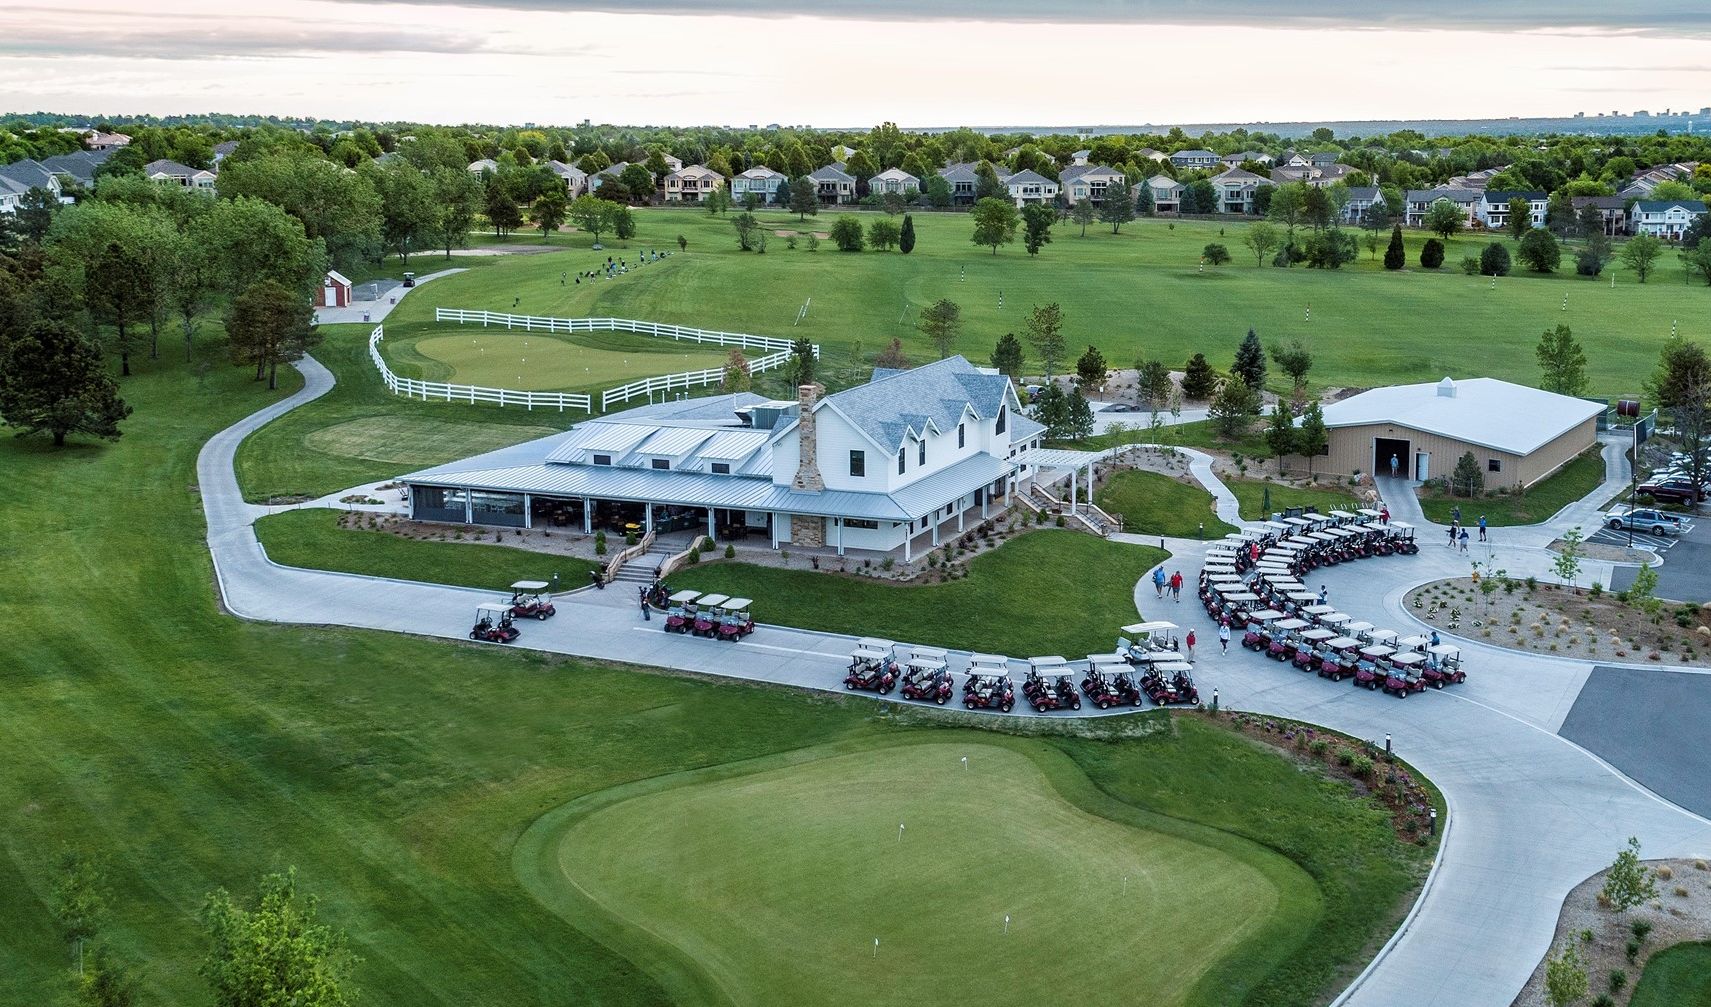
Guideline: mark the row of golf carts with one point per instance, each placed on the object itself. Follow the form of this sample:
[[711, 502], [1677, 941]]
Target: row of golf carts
[[714, 616], [1309, 541], [1147, 665], [496, 621]]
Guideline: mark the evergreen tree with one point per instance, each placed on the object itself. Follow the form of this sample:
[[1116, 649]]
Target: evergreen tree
[[1467, 480], [1144, 202], [1091, 368], [1199, 381], [939, 323], [804, 200], [906, 240], [1045, 332], [1311, 438], [1119, 206], [1395, 255], [1539, 251], [1007, 356], [1249, 366], [52, 379], [1037, 220], [1154, 384], [1280, 434], [1233, 409], [1080, 425], [1432, 254], [1494, 260]]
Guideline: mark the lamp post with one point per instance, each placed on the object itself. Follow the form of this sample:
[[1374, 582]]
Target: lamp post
[[1432, 830]]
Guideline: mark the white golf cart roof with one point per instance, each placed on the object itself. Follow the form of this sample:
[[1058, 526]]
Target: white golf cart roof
[[872, 648], [684, 597], [1335, 619], [1241, 597], [1382, 635], [1275, 526], [1321, 536], [1273, 568], [1376, 650], [1342, 642], [1300, 522], [927, 662], [1301, 596], [1401, 526], [1149, 627], [1317, 610], [495, 607], [1445, 650], [1301, 541], [1174, 667], [738, 604], [713, 600], [1357, 627], [1265, 615], [1317, 634], [1413, 642], [1100, 661], [933, 653], [1224, 578], [1340, 532], [984, 659], [1369, 512], [1292, 624], [1053, 663], [530, 585], [1342, 515], [1408, 660]]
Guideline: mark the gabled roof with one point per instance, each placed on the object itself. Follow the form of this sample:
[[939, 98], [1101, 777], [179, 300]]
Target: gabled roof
[[1194, 154], [173, 169], [338, 277], [960, 172], [1163, 182], [1237, 175], [761, 171], [1663, 205], [833, 172], [1502, 196], [895, 174], [563, 170], [1076, 171], [895, 406], [11, 186], [693, 171], [224, 149], [1453, 195], [29, 173], [484, 164], [1366, 192], [1028, 176], [1483, 411]]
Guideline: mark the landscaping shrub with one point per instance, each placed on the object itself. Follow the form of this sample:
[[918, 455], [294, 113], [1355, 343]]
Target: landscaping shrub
[[1618, 979], [1361, 766], [1641, 929], [730, 551], [1432, 254], [629, 538], [599, 543], [694, 555], [1494, 260], [1633, 950]]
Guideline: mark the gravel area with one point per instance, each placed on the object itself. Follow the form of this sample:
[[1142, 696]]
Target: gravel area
[[1681, 912]]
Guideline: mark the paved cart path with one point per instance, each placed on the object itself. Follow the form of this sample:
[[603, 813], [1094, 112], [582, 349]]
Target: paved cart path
[[1531, 815]]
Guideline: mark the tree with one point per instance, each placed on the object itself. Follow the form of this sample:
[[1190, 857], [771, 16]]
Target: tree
[[892, 357], [939, 323], [52, 379], [804, 198], [639, 182], [1445, 219], [1698, 258], [1311, 438], [1331, 248], [1118, 207], [1520, 217], [938, 191], [274, 951], [1215, 253], [1629, 883], [1288, 207], [118, 293], [738, 377], [1562, 362], [1080, 417], [501, 208], [883, 234], [1640, 253], [1091, 369], [456, 196], [1066, 415], [1144, 202], [247, 240], [591, 214], [1007, 356], [1681, 385], [846, 233], [1467, 480], [624, 223], [1281, 435], [906, 237], [1395, 255], [1199, 381], [1567, 565], [1295, 360], [1045, 334], [994, 222], [269, 325], [549, 210], [1233, 409], [1037, 220], [1262, 238], [802, 362], [1316, 206], [1494, 260], [1250, 362], [1539, 251], [751, 201], [407, 210], [1565, 978], [1199, 196], [78, 899], [717, 201], [106, 982], [1083, 213], [986, 184], [35, 214], [1432, 254]]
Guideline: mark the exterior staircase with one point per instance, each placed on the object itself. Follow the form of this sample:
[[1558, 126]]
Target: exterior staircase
[[640, 569]]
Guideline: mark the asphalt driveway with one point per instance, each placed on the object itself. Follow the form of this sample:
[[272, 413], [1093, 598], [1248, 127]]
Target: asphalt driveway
[[1686, 571], [1631, 716]]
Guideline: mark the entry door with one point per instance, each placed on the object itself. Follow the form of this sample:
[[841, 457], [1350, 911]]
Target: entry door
[[1422, 465]]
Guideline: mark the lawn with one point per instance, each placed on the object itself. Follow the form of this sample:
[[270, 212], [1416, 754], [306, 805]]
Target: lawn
[[193, 750], [536, 361], [1195, 434], [1368, 326], [1152, 503], [1090, 594], [1570, 483], [312, 538], [1251, 494], [1679, 976]]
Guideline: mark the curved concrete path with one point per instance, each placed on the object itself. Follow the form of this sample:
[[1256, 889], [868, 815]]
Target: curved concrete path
[[1531, 815]]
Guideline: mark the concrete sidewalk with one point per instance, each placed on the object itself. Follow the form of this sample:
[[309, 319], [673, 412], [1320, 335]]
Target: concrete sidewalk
[[376, 311]]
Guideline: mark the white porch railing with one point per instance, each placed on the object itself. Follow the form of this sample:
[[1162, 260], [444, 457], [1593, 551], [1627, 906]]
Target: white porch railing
[[538, 323]]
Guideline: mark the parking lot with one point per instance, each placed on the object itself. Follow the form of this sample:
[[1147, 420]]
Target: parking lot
[[1606, 535], [1686, 571]]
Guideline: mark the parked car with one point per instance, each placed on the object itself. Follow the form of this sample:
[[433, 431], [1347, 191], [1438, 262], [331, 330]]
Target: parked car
[[1118, 407], [1675, 490], [1646, 519]]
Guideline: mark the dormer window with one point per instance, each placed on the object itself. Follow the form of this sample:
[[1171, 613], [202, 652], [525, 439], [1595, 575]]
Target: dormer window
[[721, 468], [661, 463], [902, 459], [923, 452], [962, 435], [602, 459], [1000, 426]]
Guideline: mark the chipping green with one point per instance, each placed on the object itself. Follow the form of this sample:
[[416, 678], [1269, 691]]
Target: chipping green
[[1551, 494], [1251, 495], [1678, 976], [1152, 503], [537, 361]]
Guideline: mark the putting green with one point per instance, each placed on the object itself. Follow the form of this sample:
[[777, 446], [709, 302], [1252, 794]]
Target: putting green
[[534, 361], [771, 887]]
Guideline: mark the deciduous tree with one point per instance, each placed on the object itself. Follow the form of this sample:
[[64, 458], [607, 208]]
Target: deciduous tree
[[892, 356], [1280, 434], [1539, 251], [1629, 882], [846, 233], [1445, 219], [1215, 253], [1118, 207], [1565, 978], [1262, 238], [1520, 217], [883, 234], [748, 227], [1233, 409], [994, 222], [1698, 258], [1681, 386], [738, 377], [592, 215], [274, 950], [549, 210], [1640, 254], [804, 198], [269, 325], [1045, 334], [1083, 213], [1037, 220], [1562, 362]]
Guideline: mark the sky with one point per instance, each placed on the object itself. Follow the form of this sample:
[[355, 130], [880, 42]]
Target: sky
[[830, 63]]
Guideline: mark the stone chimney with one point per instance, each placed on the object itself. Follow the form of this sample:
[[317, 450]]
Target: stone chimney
[[808, 450]]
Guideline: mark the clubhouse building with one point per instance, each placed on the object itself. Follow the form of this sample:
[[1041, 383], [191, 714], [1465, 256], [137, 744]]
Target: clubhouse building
[[884, 466]]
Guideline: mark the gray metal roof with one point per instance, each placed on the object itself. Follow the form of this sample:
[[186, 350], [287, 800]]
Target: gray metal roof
[[898, 405], [833, 172], [1028, 176]]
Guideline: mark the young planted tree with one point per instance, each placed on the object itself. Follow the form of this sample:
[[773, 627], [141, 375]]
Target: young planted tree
[[1262, 238], [269, 325], [1037, 220], [1249, 365], [1118, 207], [1629, 882], [1091, 369], [1045, 334], [1312, 439], [549, 210], [1432, 254], [846, 233], [940, 322], [1467, 480], [1697, 258], [78, 899], [804, 198], [1295, 360], [884, 235], [906, 237], [1289, 208], [892, 357], [52, 380], [1395, 254], [738, 377], [1233, 409], [1640, 254], [1083, 213], [1520, 217], [995, 222], [1562, 362], [1565, 978], [1007, 356], [1199, 381], [1215, 253], [747, 227], [1281, 435], [1567, 565], [274, 950]]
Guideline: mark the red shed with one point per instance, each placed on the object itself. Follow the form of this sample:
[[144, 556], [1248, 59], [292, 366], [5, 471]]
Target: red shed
[[335, 290]]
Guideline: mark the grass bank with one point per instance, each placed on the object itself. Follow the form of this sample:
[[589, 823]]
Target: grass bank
[[1570, 483], [1152, 503]]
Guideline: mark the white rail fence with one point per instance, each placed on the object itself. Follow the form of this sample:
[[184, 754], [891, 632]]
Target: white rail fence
[[684, 380], [534, 323], [427, 390]]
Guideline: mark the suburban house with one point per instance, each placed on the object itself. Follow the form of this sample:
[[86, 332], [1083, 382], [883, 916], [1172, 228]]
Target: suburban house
[[1518, 435], [575, 179], [842, 153], [335, 290], [483, 166], [1294, 159], [1149, 154], [1316, 175], [963, 182], [1167, 194], [1080, 158], [34, 175], [11, 194], [1088, 182], [884, 466], [1236, 190], [97, 140], [1361, 199], [79, 165], [760, 180], [1494, 208], [1029, 186], [1614, 210], [834, 185], [1194, 159], [1256, 156], [1665, 218], [223, 151], [1477, 179], [692, 184], [1419, 203], [672, 163], [173, 173], [1648, 179], [607, 174], [893, 180]]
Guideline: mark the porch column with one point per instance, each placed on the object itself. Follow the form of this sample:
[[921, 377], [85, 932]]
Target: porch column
[[909, 542], [528, 511], [772, 524], [587, 516], [959, 513], [936, 523], [468, 507], [648, 518], [840, 535], [1072, 475], [710, 532]]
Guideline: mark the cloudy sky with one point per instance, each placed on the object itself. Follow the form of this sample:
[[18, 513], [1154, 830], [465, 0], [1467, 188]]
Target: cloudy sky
[[844, 62]]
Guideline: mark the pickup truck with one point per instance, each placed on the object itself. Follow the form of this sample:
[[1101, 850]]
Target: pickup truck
[[1645, 519]]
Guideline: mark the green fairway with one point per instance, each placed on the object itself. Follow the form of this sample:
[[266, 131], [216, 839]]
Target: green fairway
[[1571, 482], [416, 440], [312, 538], [1152, 503], [1679, 976], [776, 883], [535, 361], [1251, 495], [1089, 592], [1368, 326]]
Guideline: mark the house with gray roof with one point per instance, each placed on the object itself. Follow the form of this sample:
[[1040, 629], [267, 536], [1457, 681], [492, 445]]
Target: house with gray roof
[[1088, 182], [11, 194], [79, 165], [760, 180], [893, 181], [1418, 203], [33, 174], [887, 466], [575, 179], [833, 185], [1167, 194], [1029, 186], [1361, 199], [1236, 189], [1194, 159], [963, 180], [1493, 208], [1612, 209], [1665, 218], [223, 151], [1239, 159], [172, 173]]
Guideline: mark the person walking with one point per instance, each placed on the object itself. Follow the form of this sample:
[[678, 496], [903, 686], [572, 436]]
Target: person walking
[[1482, 528], [647, 616], [1464, 540], [1189, 640], [1176, 586], [1224, 636], [1158, 582], [1384, 514], [1395, 462], [1452, 542], [1324, 595]]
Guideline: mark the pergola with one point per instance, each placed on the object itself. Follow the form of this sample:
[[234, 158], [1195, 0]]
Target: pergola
[[1074, 462]]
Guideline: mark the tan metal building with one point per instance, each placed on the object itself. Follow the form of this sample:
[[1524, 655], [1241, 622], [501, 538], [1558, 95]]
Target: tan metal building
[[1519, 434]]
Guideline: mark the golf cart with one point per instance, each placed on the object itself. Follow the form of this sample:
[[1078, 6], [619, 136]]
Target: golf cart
[[1338, 657], [1360, 630], [1417, 644], [872, 667], [1171, 682], [1050, 685], [680, 617], [1150, 637], [988, 686], [1367, 667], [1403, 674], [1443, 666], [529, 600], [925, 676], [1308, 648], [1259, 632], [493, 623], [1402, 538], [735, 622], [1285, 637], [707, 614], [1107, 676]]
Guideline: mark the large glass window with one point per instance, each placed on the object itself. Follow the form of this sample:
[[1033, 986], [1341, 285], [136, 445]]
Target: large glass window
[[438, 503], [962, 435], [858, 464], [496, 508]]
